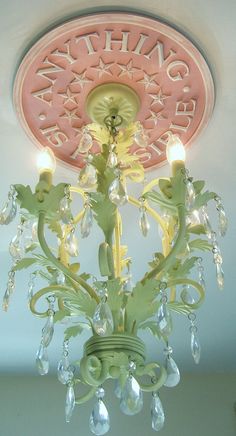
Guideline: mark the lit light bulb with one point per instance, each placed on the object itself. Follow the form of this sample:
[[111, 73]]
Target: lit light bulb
[[46, 161], [175, 150]]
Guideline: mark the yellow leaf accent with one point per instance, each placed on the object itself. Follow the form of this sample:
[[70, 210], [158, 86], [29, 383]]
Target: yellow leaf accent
[[100, 133], [124, 261]]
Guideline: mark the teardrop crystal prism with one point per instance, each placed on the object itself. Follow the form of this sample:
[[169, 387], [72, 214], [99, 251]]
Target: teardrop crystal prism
[[71, 244], [70, 403], [86, 222], [42, 361], [6, 300], [193, 218], [48, 331], [143, 222], [157, 413], [223, 221], [140, 138], [128, 286], [16, 247], [219, 276], [88, 177], [112, 160], [190, 195], [99, 421], [131, 401], [173, 375], [64, 370], [164, 319], [103, 320], [206, 222], [195, 347], [8, 212], [60, 278], [117, 192], [118, 389], [86, 143], [186, 296], [65, 210]]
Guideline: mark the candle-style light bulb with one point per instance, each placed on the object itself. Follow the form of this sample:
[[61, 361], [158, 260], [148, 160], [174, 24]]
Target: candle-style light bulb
[[46, 162], [175, 150]]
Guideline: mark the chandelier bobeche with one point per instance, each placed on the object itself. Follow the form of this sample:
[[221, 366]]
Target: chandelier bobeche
[[111, 306]]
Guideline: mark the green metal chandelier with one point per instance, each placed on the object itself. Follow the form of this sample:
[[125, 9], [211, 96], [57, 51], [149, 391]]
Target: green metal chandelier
[[111, 306]]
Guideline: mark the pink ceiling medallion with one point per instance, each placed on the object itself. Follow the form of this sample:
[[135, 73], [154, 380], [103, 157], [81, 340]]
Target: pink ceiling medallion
[[166, 71]]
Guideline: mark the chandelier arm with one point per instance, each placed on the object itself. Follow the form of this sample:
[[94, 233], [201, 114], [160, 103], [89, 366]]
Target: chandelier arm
[[194, 284], [57, 263], [157, 383], [86, 397], [40, 294], [94, 371], [166, 263], [76, 190]]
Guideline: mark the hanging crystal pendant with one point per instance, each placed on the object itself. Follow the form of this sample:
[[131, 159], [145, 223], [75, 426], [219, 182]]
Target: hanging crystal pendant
[[48, 330], [99, 421], [88, 177], [65, 210], [128, 285], [219, 275], [64, 370], [193, 218], [190, 194], [131, 401], [102, 319], [206, 222], [200, 268], [223, 221], [140, 137], [143, 221], [60, 278], [70, 402], [71, 243], [195, 346], [112, 160], [42, 361], [17, 245], [87, 221], [117, 192], [118, 389], [157, 413], [186, 296], [6, 300], [31, 285], [172, 371], [164, 319], [8, 212], [86, 142]]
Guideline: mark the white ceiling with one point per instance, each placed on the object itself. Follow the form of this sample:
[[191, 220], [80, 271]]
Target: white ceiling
[[211, 25]]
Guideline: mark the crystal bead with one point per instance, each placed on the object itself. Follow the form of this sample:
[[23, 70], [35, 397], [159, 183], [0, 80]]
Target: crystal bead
[[219, 276], [118, 389], [195, 345], [223, 221], [186, 296], [131, 401], [88, 177], [164, 319], [34, 231], [143, 222], [86, 143], [71, 244], [70, 403], [157, 413], [190, 195], [64, 370], [65, 210], [140, 138], [103, 320], [60, 278], [17, 247], [112, 160], [128, 286], [117, 192], [6, 300], [48, 331], [173, 375], [206, 222], [100, 392], [8, 212], [99, 421], [193, 219], [42, 362], [86, 222]]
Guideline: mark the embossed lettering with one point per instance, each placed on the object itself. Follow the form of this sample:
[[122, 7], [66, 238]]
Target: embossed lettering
[[164, 138], [186, 108], [177, 70], [145, 155], [110, 41], [160, 51], [50, 69], [54, 135], [41, 94], [67, 55], [140, 43], [87, 39]]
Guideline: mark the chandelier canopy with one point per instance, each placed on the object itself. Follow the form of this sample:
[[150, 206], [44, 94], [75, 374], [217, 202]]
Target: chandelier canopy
[[111, 95]]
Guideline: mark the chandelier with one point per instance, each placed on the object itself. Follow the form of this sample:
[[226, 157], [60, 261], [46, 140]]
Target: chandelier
[[111, 306]]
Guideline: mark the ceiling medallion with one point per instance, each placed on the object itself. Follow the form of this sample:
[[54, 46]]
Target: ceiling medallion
[[169, 84]]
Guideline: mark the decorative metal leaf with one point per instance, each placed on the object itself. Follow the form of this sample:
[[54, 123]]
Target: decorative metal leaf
[[76, 330], [152, 326], [200, 244], [24, 263], [183, 269]]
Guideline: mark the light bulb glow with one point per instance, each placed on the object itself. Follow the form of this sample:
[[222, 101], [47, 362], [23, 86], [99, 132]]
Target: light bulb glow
[[46, 161], [175, 150]]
